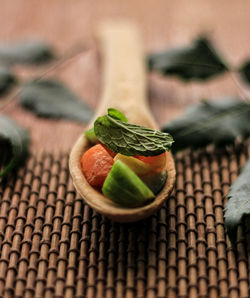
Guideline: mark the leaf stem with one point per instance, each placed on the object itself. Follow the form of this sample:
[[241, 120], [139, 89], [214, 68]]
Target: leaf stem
[[234, 77]]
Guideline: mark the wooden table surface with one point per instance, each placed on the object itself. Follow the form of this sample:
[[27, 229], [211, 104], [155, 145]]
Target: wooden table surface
[[66, 25]]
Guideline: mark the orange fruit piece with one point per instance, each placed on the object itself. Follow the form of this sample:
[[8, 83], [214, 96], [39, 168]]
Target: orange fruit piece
[[157, 162], [96, 164], [136, 165]]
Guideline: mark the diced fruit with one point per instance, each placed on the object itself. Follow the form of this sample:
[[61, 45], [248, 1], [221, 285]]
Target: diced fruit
[[155, 180], [124, 187], [96, 164], [90, 135], [139, 167], [151, 176], [157, 162], [113, 154]]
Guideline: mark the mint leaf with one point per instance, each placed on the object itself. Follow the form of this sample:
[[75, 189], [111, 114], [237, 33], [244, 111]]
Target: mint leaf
[[27, 51], [198, 61], [117, 115], [14, 142], [52, 99], [218, 122], [239, 202], [245, 71], [7, 80], [131, 139], [90, 133]]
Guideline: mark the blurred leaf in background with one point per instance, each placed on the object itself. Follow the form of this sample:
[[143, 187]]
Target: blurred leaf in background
[[27, 52], [219, 122], [239, 202], [52, 99], [245, 71], [7, 80], [199, 61], [14, 142]]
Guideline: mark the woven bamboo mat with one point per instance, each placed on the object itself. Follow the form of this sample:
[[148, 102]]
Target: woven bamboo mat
[[52, 244]]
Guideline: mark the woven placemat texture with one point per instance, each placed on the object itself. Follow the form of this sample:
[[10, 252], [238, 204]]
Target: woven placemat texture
[[54, 245]]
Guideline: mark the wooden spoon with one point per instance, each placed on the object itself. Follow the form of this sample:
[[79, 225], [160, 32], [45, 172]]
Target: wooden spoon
[[124, 89]]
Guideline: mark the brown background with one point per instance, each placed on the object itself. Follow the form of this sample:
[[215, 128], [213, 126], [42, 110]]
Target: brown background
[[68, 25]]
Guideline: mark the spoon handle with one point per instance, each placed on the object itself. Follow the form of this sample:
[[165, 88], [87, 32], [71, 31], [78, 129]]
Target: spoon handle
[[124, 79], [124, 88]]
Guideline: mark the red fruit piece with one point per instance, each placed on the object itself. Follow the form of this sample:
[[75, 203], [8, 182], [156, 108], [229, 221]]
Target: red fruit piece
[[157, 162], [96, 164]]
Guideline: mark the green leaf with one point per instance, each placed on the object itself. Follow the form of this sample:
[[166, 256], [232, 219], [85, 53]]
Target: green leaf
[[239, 202], [131, 139], [90, 133], [28, 52], [245, 71], [219, 122], [14, 142], [117, 115], [7, 80], [199, 61], [52, 99]]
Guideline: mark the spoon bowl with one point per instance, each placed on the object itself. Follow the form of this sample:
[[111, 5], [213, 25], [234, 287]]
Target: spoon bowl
[[124, 89]]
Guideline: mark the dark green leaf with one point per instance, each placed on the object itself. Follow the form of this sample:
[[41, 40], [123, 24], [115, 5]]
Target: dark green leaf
[[117, 115], [198, 61], [131, 139], [245, 71], [239, 202], [7, 80], [30, 52], [90, 133], [14, 142], [218, 122], [49, 98]]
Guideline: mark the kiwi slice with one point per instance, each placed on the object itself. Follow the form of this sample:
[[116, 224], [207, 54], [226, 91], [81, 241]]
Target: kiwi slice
[[90, 135], [155, 180], [125, 188]]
